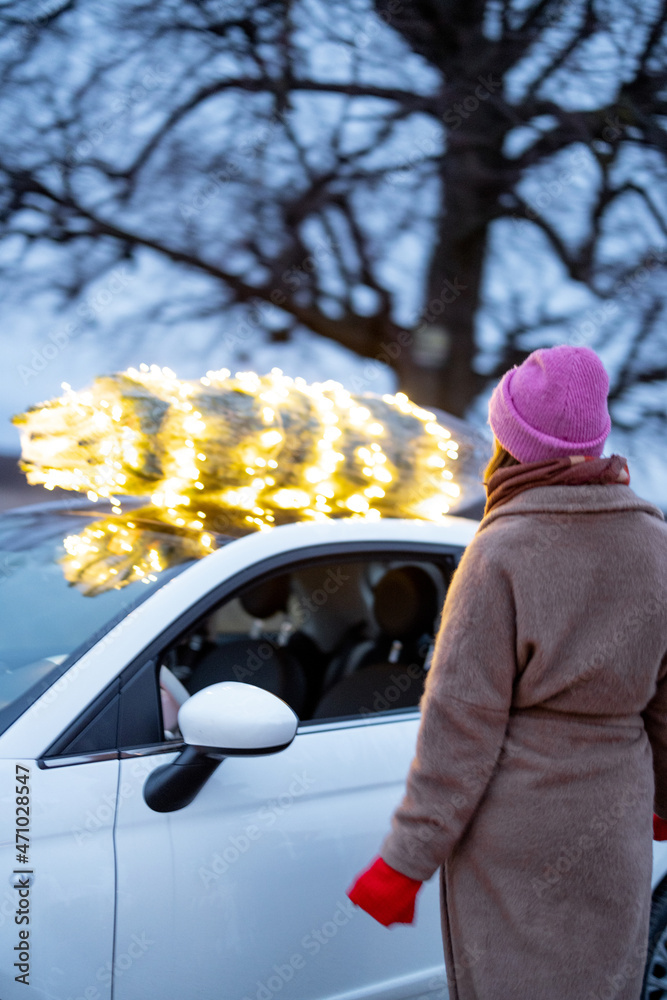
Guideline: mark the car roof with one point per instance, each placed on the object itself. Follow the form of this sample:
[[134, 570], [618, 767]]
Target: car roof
[[451, 529]]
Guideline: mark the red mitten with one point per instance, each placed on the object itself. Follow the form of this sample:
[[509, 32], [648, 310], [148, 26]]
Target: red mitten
[[659, 828], [388, 895]]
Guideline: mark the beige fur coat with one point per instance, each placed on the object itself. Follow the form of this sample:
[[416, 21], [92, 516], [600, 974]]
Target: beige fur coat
[[543, 748]]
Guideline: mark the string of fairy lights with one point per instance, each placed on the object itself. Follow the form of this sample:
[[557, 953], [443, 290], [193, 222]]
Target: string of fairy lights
[[246, 450]]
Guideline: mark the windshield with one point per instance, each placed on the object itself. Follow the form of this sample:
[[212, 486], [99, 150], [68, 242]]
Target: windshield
[[68, 573]]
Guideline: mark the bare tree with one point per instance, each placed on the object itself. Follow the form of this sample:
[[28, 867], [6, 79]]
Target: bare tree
[[440, 185], [588, 78]]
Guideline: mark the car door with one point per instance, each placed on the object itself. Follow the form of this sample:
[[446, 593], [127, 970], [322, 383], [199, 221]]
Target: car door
[[57, 897], [241, 893]]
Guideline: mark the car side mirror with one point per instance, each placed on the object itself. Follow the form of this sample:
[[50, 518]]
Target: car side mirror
[[229, 719]]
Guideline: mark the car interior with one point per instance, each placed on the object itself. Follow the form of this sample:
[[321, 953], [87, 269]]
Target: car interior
[[335, 641]]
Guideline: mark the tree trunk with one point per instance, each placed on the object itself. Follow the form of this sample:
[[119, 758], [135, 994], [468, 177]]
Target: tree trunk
[[438, 370]]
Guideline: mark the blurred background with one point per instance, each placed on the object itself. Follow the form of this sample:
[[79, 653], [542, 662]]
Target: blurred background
[[392, 194]]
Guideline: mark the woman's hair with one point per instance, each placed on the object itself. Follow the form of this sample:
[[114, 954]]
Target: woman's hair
[[501, 459]]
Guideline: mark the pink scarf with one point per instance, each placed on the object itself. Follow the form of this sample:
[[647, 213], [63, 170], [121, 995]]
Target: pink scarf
[[577, 470]]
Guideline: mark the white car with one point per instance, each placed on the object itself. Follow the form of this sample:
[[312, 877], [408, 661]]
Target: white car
[[202, 852]]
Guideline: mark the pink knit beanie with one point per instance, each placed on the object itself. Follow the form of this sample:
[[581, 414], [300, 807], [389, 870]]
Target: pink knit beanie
[[552, 405]]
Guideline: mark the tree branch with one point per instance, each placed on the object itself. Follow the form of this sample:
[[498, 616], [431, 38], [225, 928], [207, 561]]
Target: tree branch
[[358, 333], [409, 101]]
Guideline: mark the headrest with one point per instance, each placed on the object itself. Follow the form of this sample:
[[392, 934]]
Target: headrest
[[267, 598], [405, 602]]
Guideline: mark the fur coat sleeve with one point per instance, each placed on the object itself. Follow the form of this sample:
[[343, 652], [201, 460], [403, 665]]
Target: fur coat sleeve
[[465, 711]]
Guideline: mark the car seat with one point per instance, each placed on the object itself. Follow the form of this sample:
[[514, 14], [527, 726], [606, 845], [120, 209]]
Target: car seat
[[258, 658], [391, 674]]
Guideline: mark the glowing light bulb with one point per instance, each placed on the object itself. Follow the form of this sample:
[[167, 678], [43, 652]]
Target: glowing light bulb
[[291, 499], [357, 503], [270, 438]]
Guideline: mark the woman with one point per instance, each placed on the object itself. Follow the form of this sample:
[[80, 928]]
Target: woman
[[543, 740]]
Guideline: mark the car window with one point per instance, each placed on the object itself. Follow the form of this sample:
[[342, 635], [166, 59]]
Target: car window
[[68, 573], [335, 640]]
